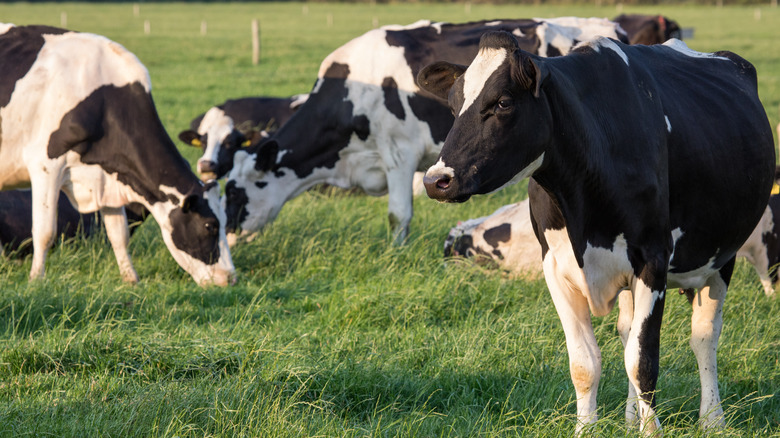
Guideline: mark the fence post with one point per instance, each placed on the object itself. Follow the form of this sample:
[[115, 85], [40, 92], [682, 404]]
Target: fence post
[[147, 27], [255, 42], [63, 19], [203, 28]]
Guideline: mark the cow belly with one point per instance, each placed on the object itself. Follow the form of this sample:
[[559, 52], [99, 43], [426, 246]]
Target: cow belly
[[89, 188], [604, 274]]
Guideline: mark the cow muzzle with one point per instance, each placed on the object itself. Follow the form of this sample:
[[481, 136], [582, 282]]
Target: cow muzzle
[[443, 187], [207, 170]]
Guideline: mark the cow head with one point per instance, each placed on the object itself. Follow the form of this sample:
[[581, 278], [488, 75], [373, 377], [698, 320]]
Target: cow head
[[193, 229], [502, 119], [219, 139]]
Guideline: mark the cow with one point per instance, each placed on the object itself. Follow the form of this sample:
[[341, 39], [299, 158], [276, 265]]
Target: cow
[[649, 167], [233, 124], [77, 115], [367, 123], [648, 29], [16, 221], [504, 239]]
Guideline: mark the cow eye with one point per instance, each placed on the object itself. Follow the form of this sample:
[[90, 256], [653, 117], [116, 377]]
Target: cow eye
[[504, 103], [211, 228]]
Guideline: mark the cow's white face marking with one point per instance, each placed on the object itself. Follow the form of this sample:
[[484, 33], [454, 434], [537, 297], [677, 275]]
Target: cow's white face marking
[[525, 173], [441, 169], [683, 48], [218, 126], [488, 60], [668, 124]]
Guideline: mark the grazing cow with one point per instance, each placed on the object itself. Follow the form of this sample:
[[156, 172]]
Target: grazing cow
[[366, 122], [650, 167], [16, 221], [648, 29], [236, 123], [505, 239], [76, 114]]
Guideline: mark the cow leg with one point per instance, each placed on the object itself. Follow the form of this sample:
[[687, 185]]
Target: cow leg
[[643, 343], [44, 223], [706, 325], [625, 318], [115, 221], [584, 353], [400, 209]]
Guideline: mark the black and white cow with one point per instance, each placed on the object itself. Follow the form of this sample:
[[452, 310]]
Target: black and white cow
[[650, 167], [234, 124], [367, 123], [16, 221], [648, 29], [76, 113]]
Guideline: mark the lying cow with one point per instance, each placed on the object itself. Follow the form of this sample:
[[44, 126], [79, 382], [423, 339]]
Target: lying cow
[[99, 139], [650, 166], [16, 221], [236, 123], [366, 122], [648, 29]]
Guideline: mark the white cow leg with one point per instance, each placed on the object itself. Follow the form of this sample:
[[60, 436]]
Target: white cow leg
[[400, 209], [625, 318], [44, 225], [642, 353], [706, 325], [584, 353], [115, 221]]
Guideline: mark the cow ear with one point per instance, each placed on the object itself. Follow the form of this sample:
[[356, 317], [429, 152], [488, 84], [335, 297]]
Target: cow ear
[[188, 203], [266, 156], [191, 138], [438, 78], [528, 73], [254, 137]]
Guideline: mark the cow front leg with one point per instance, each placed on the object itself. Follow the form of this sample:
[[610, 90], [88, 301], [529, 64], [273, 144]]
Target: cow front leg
[[400, 209], [583, 350], [643, 345], [625, 318], [118, 233], [44, 225], [706, 325]]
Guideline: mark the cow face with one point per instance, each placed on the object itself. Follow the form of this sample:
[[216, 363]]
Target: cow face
[[502, 120], [195, 234]]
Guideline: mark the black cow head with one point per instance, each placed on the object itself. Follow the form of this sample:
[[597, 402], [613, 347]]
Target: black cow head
[[502, 120]]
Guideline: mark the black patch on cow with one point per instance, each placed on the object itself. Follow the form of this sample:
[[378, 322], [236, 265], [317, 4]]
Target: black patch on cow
[[118, 129], [393, 98], [434, 113], [196, 229], [260, 184], [771, 239], [19, 48], [496, 235], [236, 206], [361, 126], [553, 51], [279, 173], [649, 350]]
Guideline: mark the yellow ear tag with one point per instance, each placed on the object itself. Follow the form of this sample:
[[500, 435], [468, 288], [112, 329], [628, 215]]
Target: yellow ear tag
[[246, 143], [775, 189], [196, 142]]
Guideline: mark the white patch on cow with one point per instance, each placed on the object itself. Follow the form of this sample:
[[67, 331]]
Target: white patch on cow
[[488, 60], [525, 173], [676, 234], [683, 48], [416, 25], [693, 279], [668, 124], [518, 32], [5, 27], [756, 252], [298, 100], [563, 32], [597, 43], [218, 126], [441, 169], [493, 23]]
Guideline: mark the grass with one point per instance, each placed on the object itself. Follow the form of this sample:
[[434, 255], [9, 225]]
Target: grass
[[331, 331]]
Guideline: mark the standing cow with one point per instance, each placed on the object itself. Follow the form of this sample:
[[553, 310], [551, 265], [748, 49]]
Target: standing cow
[[234, 124], [650, 167], [648, 29], [76, 113], [366, 122]]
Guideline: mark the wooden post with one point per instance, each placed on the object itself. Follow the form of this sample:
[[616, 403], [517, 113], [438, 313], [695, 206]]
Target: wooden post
[[147, 27], [305, 10], [329, 20], [136, 10], [468, 7], [375, 22], [63, 19], [203, 28], [255, 42]]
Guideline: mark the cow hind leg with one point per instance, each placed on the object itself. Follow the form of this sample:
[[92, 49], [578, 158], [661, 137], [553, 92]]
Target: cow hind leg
[[118, 233], [706, 325]]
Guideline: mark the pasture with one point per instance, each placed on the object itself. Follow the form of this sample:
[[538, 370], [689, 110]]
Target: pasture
[[331, 331]]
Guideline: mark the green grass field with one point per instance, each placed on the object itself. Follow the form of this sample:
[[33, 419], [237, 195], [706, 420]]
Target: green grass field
[[331, 331]]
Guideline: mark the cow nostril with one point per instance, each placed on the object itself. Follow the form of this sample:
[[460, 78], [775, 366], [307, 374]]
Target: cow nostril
[[207, 166], [443, 182]]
